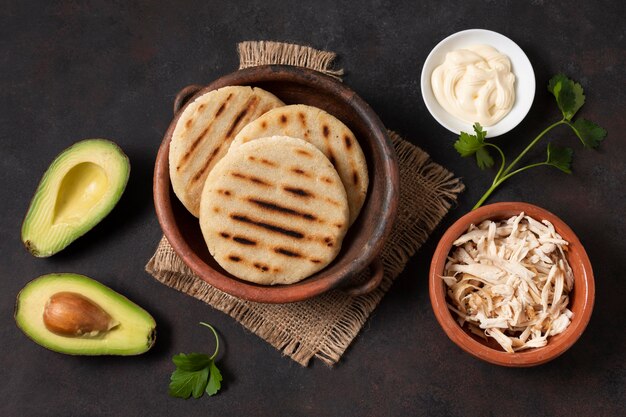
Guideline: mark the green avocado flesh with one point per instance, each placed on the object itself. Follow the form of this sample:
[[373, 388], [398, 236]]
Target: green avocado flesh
[[81, 186], [134, 332]]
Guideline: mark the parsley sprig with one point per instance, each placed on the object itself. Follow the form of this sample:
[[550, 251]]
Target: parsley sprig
[[570, 98], [196, 373]]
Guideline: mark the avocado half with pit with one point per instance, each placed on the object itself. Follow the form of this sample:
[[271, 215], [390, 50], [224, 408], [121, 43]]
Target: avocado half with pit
[[81, 186], [74, 314]]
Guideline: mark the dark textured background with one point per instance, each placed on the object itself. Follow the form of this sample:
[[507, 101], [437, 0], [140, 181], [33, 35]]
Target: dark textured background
[[73, 70]]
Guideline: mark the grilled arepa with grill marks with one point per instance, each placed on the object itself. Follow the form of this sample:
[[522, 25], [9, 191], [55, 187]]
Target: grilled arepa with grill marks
[[328, 134], [274, 211], [204, 132]]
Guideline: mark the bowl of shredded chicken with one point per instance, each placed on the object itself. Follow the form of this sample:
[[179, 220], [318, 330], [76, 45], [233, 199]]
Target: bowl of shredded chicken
[[511, 284]]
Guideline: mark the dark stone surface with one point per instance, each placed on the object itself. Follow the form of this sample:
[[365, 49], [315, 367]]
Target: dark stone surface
[[72, 70]]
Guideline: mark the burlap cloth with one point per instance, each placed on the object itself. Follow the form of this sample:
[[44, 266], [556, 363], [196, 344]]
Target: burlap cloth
[[323, 327]]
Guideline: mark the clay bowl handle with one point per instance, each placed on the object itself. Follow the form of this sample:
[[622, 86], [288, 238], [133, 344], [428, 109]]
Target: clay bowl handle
[[184, 95], [377, 271]]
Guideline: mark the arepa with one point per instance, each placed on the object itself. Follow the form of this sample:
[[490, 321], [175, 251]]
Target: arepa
[[203, 134], [274, 211], [328, 134]]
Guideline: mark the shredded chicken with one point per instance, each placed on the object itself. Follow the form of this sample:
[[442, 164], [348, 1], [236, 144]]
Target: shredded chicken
[[510, 281]]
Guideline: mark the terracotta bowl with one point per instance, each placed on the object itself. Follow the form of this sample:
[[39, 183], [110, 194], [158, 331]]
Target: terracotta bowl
[[366, 236], [581, 298]]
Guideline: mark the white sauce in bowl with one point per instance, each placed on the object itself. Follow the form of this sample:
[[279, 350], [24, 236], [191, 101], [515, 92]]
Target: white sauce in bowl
[[475, 84]]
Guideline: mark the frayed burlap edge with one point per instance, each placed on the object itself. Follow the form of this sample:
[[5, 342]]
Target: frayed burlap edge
[[255, 53], [413, 225]]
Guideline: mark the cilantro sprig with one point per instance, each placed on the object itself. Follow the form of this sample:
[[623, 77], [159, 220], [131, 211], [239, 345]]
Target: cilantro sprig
[[570, 98], [196, 373]]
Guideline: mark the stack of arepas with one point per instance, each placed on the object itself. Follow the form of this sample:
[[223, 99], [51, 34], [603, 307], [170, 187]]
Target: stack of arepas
[[275, 187]]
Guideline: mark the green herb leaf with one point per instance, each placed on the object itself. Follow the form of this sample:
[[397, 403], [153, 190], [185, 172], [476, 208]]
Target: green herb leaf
[[195, 373], [560, 158], [186, 383], [468, 145], [554, 83], [569, 95], [191, 362], [589, 133], [215, 381], [483, 158], [570, 98]]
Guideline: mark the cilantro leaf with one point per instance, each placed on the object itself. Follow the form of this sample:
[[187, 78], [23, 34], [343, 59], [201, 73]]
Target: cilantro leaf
[[569, 95], [186, 383], [560, 158], [589, 133], [483, 158], [191, 362], [570, 98], [468, 145], [215, 380], [195, 373], [554, 83]]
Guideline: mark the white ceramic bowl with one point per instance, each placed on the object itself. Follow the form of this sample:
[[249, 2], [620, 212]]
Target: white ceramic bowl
[[521, 67]]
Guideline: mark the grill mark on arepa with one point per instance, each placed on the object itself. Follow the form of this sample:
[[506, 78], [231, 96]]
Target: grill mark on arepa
[[267, 226], [263, 161], [223, 106], [202, 135], [248, 107], [303, 153], [261, 266], [268, 205], [193, 147], [239, 239], [206, 165], [250, 178], [234, 258], [325, 131], [300, 171], [347, 141], [287, 252], [355, 177], [244, 241], [302, 118], [300, 192]]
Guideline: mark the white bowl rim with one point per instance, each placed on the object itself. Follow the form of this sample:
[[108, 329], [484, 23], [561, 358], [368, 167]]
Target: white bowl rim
[[522, 68]]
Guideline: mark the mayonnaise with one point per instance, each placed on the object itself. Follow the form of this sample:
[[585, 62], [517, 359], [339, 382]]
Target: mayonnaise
[[475, 84]]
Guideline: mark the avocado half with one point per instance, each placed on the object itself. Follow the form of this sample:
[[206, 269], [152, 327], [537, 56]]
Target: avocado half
[[80, 187], [132, 330]]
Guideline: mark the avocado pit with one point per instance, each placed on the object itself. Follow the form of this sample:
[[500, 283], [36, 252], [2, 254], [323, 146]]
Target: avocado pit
[[72, 314]]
